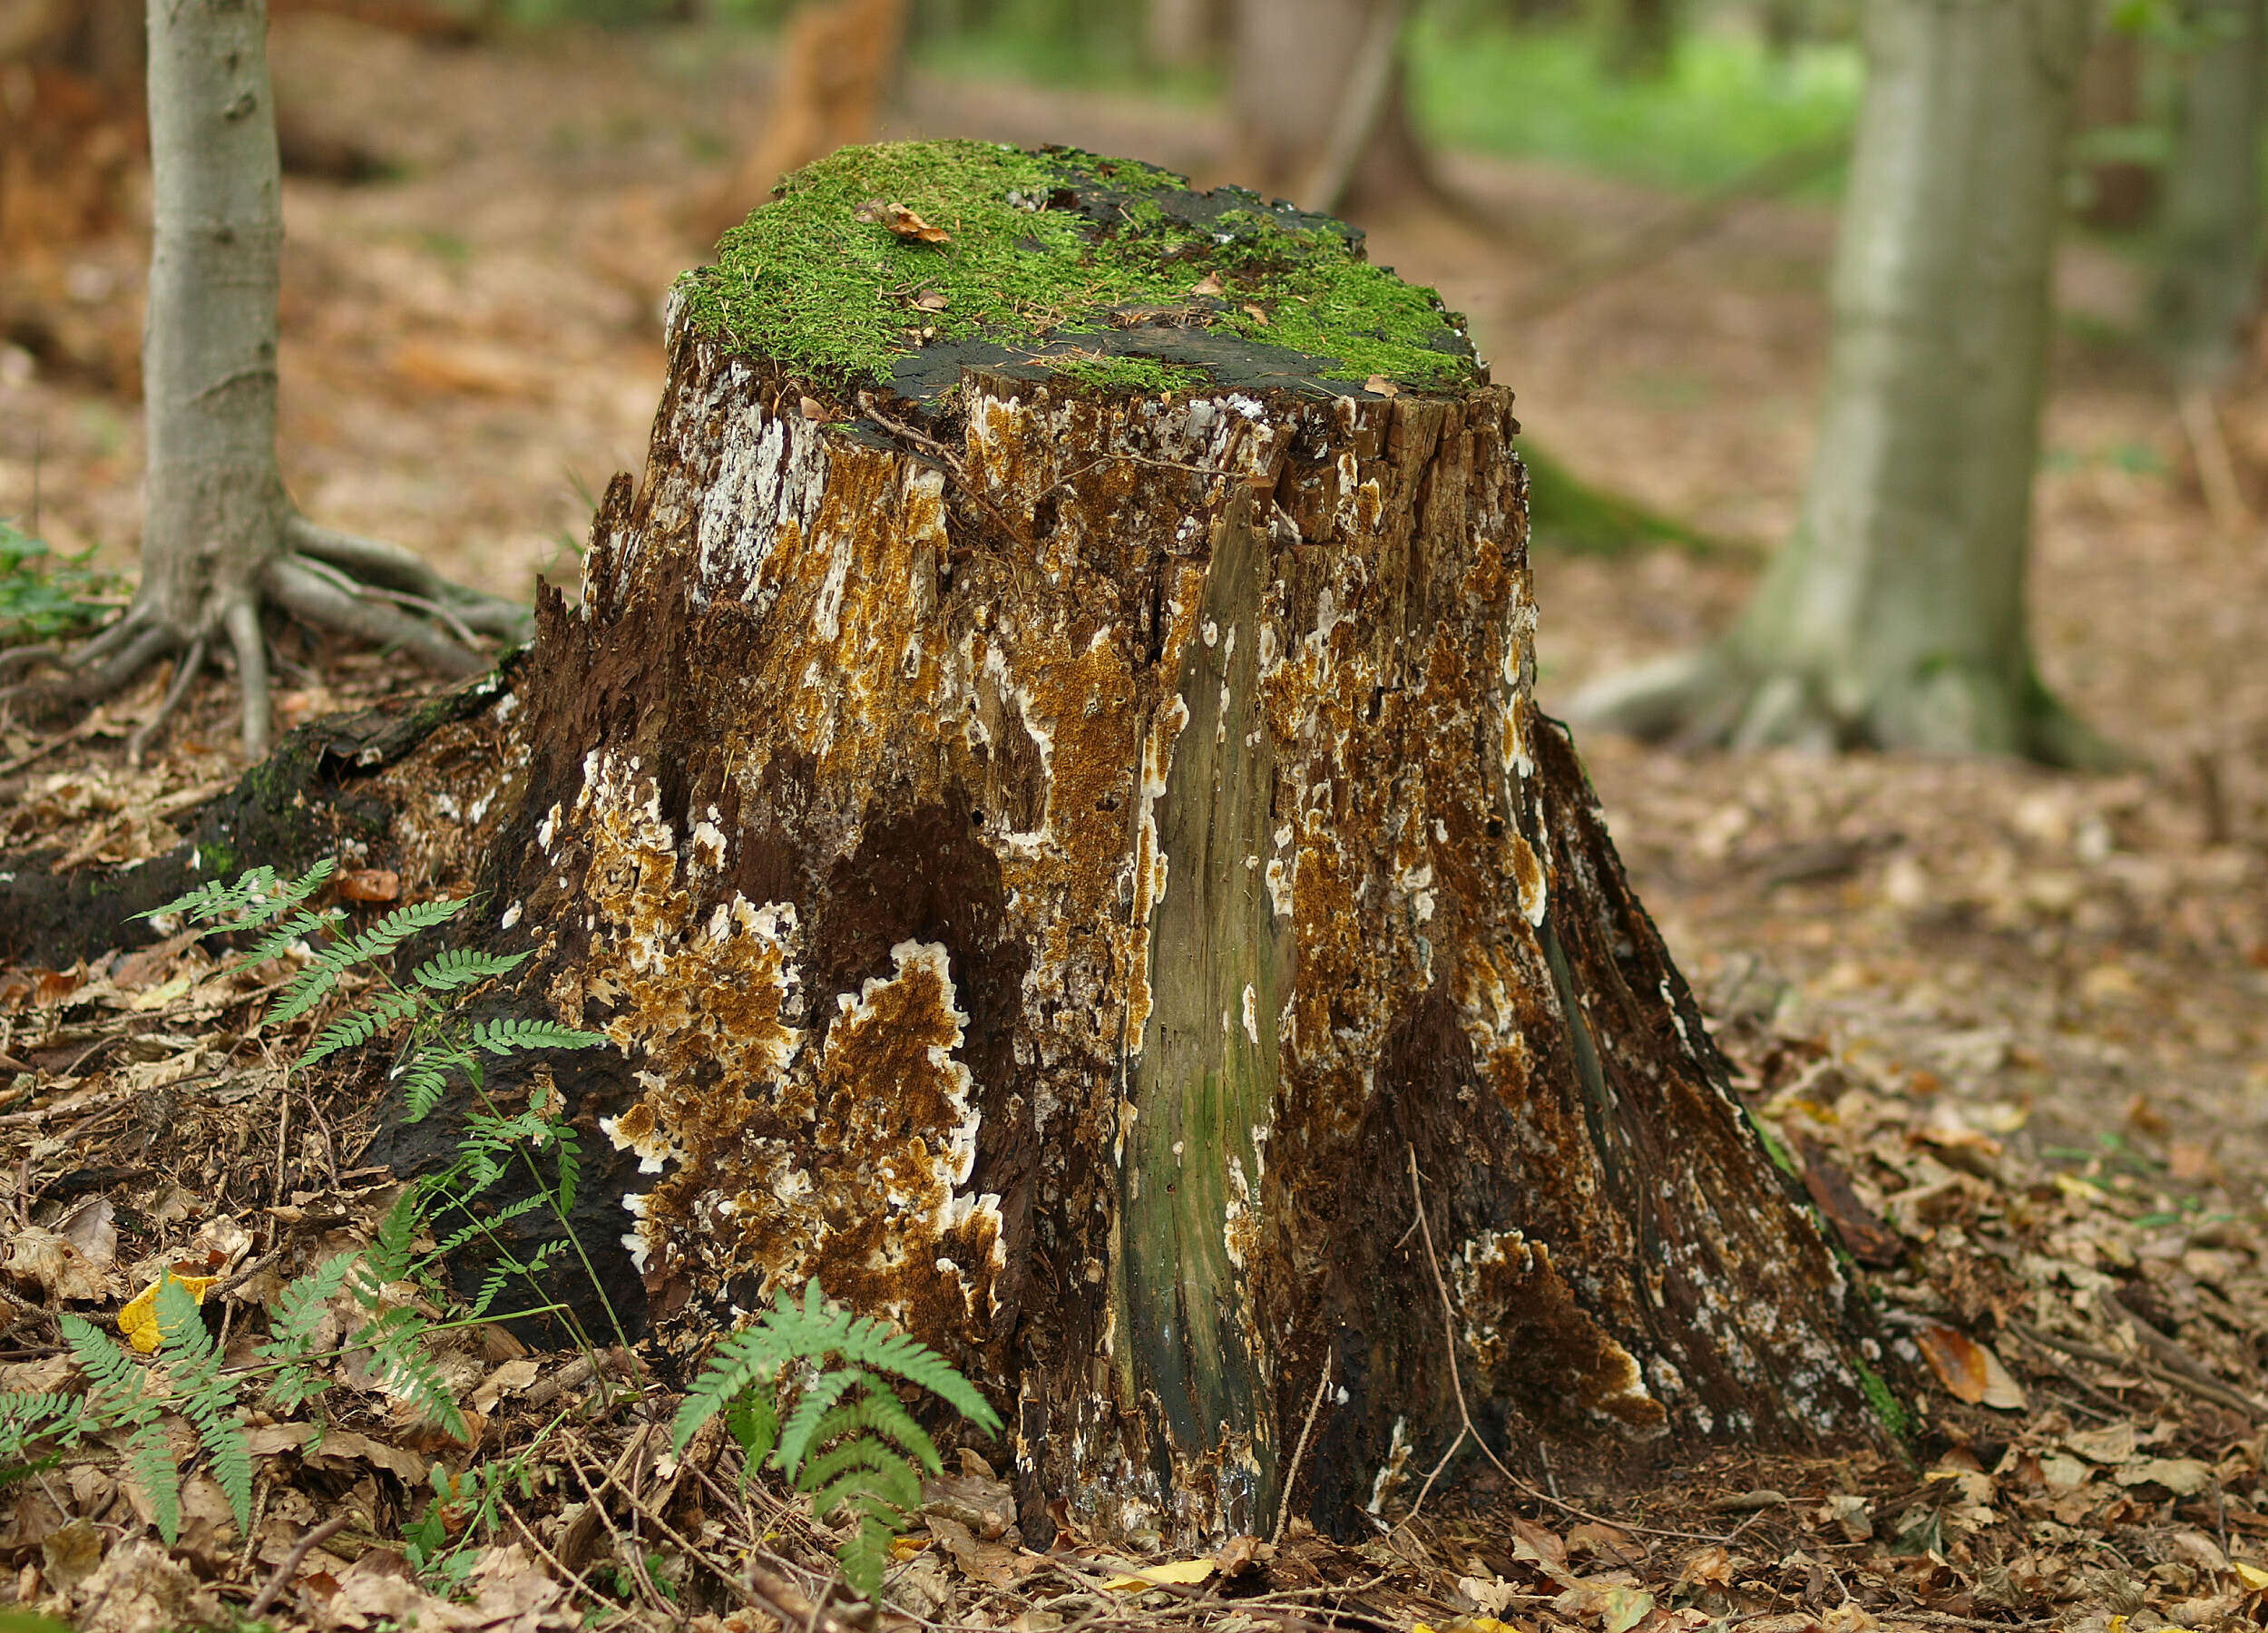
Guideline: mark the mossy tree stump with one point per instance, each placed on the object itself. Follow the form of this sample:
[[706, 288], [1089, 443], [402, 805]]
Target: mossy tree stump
[[1043, 788]]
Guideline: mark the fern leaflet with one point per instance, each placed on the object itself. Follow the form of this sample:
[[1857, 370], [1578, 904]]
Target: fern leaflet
[[513, 1034], [120, 1395], [206, 1398], [463, 967], [350, 1031]]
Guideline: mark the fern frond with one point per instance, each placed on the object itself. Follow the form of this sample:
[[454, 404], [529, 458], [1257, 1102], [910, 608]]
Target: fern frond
[[119, 1391], [513, 1034], [567, 1145], [752, 1419], [750, 1357], [352, 1030], [308, 988], [878, 1413], [398, 927], [802, 1430], [255, 897], [422, 1085], [294, 927], [857, 1466], [393, 1249], [463, 967], [150, 1460], [206, 1398], [865, 1557], [862, 1341], [397, 1339], [297, 1313]]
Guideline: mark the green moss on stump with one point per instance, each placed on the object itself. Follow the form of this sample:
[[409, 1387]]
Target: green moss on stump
[[1107, 271]]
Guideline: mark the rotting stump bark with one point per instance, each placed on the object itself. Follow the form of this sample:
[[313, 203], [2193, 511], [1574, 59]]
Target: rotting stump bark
[[1057, 857]]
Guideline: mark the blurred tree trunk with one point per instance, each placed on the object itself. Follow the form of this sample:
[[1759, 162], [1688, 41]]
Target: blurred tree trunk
[[2121, 192], [839, 58], [1638, 38], [2209, 283], [1293, 64], [1183, 33], [1896, 615]]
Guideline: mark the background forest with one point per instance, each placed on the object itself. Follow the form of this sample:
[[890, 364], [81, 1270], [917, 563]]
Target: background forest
[[2024, 1010]]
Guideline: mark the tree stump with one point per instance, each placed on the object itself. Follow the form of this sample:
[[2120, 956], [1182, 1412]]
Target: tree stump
[[1041, 785]]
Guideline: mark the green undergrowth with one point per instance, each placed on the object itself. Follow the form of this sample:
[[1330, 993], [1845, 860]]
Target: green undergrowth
[[1726, 104], [1043, 248], [44, 595], [1569, 516]]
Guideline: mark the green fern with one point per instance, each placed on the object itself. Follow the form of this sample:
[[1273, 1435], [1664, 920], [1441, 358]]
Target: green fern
[[293, 1325], [463, 967], [204, 1397], [256, 897], [513, 1034], [119, 1393], [839, 1434]]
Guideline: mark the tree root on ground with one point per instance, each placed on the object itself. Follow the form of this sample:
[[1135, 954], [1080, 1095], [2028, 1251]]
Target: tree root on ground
[[1711, 697], [364, 588]]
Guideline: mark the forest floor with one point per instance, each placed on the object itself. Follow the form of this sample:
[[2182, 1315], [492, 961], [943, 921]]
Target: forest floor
[[2012, 1026]]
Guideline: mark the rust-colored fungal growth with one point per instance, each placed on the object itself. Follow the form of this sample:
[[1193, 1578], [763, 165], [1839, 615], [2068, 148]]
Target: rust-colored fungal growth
[[1057, 853]]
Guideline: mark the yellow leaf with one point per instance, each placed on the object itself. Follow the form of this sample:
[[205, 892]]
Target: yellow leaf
[[1180, 1572], [139, 1320], [158, 996], [905, 1548], [2253, 1578]]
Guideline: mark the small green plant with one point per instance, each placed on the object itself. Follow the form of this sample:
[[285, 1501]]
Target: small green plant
[[837, 1431], [44, 595], [186, 1374]]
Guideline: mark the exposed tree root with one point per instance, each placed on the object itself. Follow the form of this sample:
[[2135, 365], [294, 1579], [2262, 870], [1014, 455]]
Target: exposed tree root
[[1710, 697], [332, 580]]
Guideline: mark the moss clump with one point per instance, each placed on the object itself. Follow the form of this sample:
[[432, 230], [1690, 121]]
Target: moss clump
[[1887, 1406], [1051, 249], [1127, 374]]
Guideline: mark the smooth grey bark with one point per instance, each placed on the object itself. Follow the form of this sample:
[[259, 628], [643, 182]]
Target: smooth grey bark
[[2207, 285], [219, 535], [1894, 616], [1317, 105]]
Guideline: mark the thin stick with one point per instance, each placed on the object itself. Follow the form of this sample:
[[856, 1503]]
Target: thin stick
[[2216, 472], [281, 1579], [2219, 1395], [1449, 1332], [1291, 1479]]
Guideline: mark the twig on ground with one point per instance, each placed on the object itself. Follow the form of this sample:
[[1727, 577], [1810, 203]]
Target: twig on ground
[[2220, 1394], [1291, 1477], [281, 1577]]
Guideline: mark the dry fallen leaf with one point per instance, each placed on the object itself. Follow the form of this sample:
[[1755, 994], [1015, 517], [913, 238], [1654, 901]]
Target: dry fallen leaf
[[932, 300], [1970, 1370], [1379, 385], [139, 1320], [1256, 315], [1210, 284], [369, 885], [898, 218], [1181, 1572]]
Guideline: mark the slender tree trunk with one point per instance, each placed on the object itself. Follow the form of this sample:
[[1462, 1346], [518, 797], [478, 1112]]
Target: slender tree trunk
[[214, 494], [2209, 285], [1895, 614], [219, 536], [1293, 64], [1075, 867], [1181, 34]]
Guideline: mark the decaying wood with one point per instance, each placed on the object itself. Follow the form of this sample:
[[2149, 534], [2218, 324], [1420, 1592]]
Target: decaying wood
[[1046, 889]]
